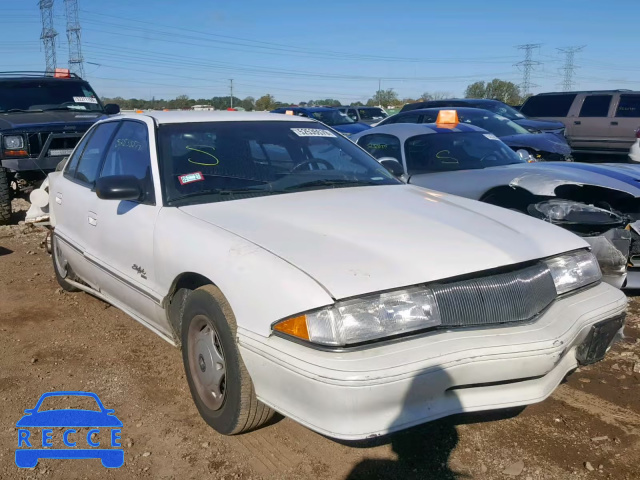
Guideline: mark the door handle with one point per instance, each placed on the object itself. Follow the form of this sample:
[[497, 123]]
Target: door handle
[[59, 198], [577, 122], [614, 123], [92, 218]]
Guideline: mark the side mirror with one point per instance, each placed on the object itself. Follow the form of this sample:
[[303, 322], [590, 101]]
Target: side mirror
[[111, 109], [525, 155], [118, 187], [393, 165]]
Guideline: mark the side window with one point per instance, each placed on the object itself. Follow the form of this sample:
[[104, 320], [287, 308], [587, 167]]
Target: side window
[[548, 105], [381, 145], [596, 106], [72, 164], [129, 152], [352, 114], [629, 106], [87, 170]]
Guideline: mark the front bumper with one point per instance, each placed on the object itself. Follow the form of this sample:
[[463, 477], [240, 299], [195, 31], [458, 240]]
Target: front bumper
[[373, 391]]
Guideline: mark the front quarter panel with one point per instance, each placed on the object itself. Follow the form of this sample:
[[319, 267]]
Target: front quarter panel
[[260, 286]]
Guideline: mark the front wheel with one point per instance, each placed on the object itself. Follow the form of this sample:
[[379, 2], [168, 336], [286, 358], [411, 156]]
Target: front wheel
[[5, 197], [218, 379]]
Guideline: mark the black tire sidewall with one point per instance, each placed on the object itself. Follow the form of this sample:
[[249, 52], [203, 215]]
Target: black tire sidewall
[[5, 197], [225, 419], [61, 280]]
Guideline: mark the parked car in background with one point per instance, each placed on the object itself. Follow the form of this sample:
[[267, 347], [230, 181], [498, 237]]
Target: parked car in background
[[545, 147], [298, 275], [601, 121], [634, 152], [368, 115], [495, 106], [42, 117], [599, 203], [327, 115]]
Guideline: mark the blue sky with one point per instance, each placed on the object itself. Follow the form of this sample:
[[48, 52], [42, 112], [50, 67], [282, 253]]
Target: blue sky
[[331, 49]]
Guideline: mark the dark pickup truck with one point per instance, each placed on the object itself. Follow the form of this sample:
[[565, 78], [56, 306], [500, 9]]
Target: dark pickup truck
[[42, 118]]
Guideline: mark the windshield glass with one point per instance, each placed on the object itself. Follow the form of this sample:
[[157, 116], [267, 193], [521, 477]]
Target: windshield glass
[[448, 152], [496, 124], [219, 161], [331, 117], [47, 95], [372, 113], [502, 109]]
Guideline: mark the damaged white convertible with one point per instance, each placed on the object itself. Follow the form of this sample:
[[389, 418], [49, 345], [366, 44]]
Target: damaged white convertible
[[600, 203]]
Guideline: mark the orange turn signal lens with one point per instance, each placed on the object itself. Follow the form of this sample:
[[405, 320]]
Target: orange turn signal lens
[[288, 112], [296, 327], [16, 153], [447, 117]]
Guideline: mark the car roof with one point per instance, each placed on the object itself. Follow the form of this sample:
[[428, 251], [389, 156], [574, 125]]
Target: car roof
[[586, 91], [437, 109], [15, 79], [406, 130], [213, 116]]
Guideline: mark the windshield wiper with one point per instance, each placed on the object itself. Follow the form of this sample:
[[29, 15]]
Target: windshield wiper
[[333, 183], [220, 191], [20, 110]]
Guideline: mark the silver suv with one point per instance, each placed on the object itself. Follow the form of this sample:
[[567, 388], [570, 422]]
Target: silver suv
[[599, 121]]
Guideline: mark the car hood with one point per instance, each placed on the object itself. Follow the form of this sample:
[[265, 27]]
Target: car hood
[[539, 124], [28, 120], [544, 142], [359, 240], [352, 128], [538, 178], [69, 418]]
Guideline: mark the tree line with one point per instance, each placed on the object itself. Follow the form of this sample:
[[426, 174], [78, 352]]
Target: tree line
[[497, 89]]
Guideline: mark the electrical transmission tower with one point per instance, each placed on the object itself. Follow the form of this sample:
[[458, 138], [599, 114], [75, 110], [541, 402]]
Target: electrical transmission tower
[[76, 62], [48, 35], [527, 65], [569, 66]]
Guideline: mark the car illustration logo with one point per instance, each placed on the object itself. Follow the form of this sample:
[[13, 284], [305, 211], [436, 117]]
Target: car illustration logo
[[83, 433]]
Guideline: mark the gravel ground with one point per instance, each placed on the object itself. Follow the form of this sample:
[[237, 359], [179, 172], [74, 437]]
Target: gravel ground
[[53, 340]]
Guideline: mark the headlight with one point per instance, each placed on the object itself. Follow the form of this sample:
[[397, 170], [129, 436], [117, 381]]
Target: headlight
[[368, 318], [13, 142], [574, 270], [569, 212]]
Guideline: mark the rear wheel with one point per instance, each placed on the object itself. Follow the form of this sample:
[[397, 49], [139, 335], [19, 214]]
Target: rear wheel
[[218, 379], [61, 267], [5, 197]]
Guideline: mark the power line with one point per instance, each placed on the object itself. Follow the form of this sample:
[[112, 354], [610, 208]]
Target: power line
[[527, 65], [569, 66], [76, 62], [48, 35]]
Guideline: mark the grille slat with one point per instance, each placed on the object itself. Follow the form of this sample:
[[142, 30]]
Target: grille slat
[[502, 298]]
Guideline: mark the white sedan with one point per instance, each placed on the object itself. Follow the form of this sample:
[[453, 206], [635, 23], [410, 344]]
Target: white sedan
[[298, 275], [634, 153]]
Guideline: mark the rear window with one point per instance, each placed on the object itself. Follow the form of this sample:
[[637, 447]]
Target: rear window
[[629, 106], [548, 105]]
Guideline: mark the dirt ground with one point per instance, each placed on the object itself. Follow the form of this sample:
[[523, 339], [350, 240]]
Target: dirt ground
[[52, 340]]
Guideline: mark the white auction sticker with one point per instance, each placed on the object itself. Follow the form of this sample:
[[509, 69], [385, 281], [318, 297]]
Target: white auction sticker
[[312, 132], [85, 100], [491, 136], [190, 177]]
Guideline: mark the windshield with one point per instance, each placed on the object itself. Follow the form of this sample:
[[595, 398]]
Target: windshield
[[47, 95], [502, 109], [219, 161], [496, 124], [331, 117], [448, 152], [372, 113]]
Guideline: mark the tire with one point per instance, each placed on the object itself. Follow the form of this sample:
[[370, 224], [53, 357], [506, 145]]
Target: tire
[[218, 379], [5, 197], [61, 268]]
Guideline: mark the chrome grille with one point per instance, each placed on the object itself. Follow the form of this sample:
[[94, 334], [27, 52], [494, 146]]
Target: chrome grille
[[503, 298]]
